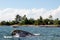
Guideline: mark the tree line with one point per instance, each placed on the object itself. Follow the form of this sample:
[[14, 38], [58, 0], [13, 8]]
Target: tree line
[[25, 21]]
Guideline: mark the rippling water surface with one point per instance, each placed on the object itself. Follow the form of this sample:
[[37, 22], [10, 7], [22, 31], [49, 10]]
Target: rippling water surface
[[47, 33]]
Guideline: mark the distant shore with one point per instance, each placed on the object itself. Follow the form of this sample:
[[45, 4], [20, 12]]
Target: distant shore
[[39, 25], [16, 25]]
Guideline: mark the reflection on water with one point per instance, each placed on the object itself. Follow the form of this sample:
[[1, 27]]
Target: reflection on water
[[45, 33]]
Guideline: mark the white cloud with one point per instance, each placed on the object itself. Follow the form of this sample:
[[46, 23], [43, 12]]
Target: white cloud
[[10, 13]]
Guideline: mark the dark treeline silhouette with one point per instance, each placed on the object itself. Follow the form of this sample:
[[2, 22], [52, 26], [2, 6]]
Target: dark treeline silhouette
[[25, 21]]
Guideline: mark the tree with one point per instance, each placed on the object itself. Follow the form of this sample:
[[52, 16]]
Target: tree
[[41, 18], [50, 17], [50, 20], [7, 23], [24, 20], [56, 22], [36, 22], [31, 21], [3, 22], [46, 21], [18, 18], [13, 22], [24, 17], [40, 21], [59, 22]]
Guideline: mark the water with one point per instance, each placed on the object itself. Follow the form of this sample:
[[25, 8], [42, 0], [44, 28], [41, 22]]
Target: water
[[47, 33]]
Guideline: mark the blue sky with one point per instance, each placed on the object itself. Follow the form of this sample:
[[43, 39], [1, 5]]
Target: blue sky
[[31, 8], [48, 4]]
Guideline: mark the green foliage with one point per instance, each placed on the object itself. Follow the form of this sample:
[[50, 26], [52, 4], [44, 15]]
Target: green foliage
[[18, 18], [31, 21], [59, 22], [46, 21], [50, 17], [22, 22], [36, 22], [25, 21], [5, 23], [56, 22]]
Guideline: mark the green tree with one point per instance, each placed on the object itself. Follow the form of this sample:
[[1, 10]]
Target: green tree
[[36, 22], [41, 18], [24, 20], [46, 21], [50, 20], [50, 17], [40, 21], [24, 17], [3, 22], [13, 22], [18, 18], [31, 21], [7, 23], [56, 22], [59, 22]]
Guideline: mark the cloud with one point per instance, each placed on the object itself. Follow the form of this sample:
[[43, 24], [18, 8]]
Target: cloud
[[10, 13]]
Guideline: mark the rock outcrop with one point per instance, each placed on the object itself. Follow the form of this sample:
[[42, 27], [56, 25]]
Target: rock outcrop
[[21, 33]]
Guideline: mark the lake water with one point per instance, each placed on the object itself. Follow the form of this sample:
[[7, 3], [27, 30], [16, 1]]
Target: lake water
[[47, 33]]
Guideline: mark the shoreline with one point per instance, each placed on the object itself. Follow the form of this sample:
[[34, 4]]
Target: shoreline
[[39, 25], [16, 25]]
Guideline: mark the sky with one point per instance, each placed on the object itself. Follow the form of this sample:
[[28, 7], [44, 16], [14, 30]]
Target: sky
[[31, 8]]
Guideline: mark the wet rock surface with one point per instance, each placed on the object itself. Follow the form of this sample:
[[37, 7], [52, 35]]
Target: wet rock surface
[[21, 33]]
